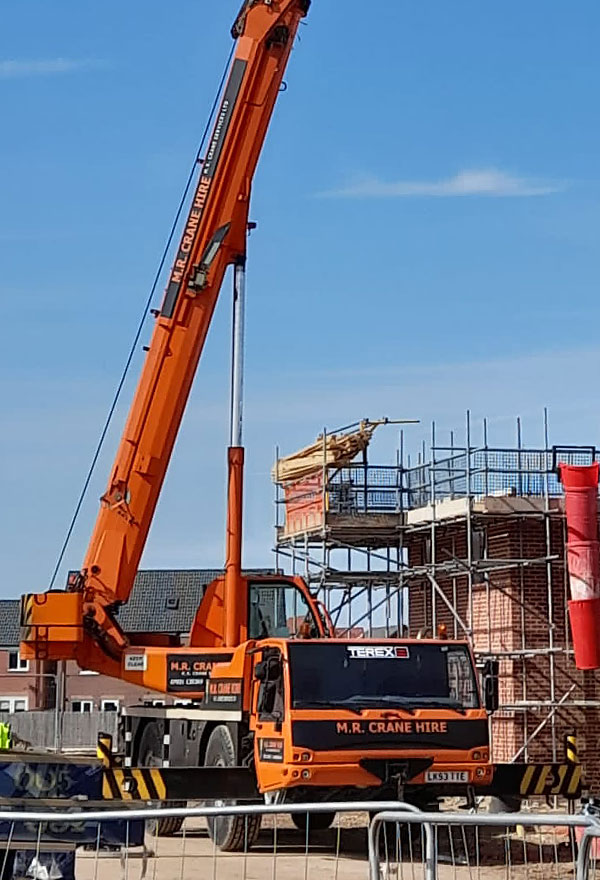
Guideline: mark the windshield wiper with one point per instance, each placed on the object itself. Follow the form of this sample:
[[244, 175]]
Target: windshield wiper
[[409, 704], [442, 703], [359, 702], [370, 701], [327, 704]]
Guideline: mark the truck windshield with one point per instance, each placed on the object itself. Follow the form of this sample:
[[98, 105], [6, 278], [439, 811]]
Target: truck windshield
[[408, 676]]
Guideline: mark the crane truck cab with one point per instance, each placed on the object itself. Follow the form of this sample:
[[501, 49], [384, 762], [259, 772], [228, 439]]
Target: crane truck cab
[[330, 716]]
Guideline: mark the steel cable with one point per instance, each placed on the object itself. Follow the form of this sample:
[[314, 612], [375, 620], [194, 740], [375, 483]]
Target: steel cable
[[140, 327]]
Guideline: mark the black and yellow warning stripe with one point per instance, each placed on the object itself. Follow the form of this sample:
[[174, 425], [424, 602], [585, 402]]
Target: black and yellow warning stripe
[[529, 780], [142, 783], [27, 603], [104, 750], [571, 752], [159, 784], [551, 779], [178, 783]]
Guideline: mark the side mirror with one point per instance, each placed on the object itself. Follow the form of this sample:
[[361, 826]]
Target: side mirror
[[260, 671], [275, 668], [491, 695]]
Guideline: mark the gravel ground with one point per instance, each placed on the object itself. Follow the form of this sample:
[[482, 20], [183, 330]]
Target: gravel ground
[[283, 853]]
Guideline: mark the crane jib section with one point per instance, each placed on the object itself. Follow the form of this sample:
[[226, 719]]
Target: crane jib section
[[209, 167]]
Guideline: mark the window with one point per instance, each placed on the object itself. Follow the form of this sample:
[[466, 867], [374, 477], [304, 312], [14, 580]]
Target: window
[[13, 704], [110, 705], [461, 681], [479, 551], [426, 550], [16, 663], [279, 610], [418, 676], [82, 705], [270, 693]]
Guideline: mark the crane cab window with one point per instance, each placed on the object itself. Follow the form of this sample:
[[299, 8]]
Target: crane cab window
[[279, 611]]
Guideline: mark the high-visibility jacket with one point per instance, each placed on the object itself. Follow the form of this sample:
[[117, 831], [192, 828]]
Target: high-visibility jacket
[[4, 735]]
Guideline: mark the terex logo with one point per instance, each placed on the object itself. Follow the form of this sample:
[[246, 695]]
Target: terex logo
[[378, 652]]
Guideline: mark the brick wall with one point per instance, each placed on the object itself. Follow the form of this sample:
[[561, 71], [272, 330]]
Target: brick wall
[[98, 688], [511, 615], [20, 690]]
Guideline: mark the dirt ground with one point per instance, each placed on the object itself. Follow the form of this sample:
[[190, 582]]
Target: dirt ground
[[284, 853]]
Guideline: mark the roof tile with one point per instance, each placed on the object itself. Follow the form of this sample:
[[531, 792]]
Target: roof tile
[[162, 601]]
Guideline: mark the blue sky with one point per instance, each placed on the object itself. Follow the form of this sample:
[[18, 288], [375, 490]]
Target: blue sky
[[428, 203]]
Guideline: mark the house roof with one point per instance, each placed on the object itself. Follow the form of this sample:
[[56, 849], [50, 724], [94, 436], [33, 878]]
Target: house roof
[[165, 601], [9, 623], [162, 601]]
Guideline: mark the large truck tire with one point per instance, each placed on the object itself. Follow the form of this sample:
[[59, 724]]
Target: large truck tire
[[505, 804], [229, 833], [150, 756], [314, 821]]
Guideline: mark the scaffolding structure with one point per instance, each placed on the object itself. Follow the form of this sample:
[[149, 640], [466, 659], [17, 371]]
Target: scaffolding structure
[[466, 539]]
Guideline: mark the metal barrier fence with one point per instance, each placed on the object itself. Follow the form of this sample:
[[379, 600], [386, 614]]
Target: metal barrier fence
[[294, 843], [482, 846], [364, 841]]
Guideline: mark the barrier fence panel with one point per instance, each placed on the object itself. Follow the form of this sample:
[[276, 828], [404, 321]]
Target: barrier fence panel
[[277, 842], [351, 841], [483, 846]]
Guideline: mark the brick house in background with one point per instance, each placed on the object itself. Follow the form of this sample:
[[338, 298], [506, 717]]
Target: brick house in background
[[20, 683], [161, 601]]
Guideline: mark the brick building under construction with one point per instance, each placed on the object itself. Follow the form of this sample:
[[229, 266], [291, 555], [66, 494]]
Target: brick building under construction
[[467, 539]]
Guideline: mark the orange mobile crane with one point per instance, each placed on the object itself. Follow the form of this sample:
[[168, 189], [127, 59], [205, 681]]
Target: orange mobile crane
[[269, 687]]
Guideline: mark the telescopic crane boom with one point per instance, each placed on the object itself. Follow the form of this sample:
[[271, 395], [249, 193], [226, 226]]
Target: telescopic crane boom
[[214, 238]]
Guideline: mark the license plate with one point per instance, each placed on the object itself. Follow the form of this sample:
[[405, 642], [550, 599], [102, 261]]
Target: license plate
[[447, 776]]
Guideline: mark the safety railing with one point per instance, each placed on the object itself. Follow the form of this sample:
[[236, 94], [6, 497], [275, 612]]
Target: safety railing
[[489, 471], [483, 845], [373, 489]]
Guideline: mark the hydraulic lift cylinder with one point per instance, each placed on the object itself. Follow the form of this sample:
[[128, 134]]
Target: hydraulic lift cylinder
[[235, 601]]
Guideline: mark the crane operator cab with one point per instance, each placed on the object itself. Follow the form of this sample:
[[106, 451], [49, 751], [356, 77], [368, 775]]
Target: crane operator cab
[[269, 606], [282, 610]]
